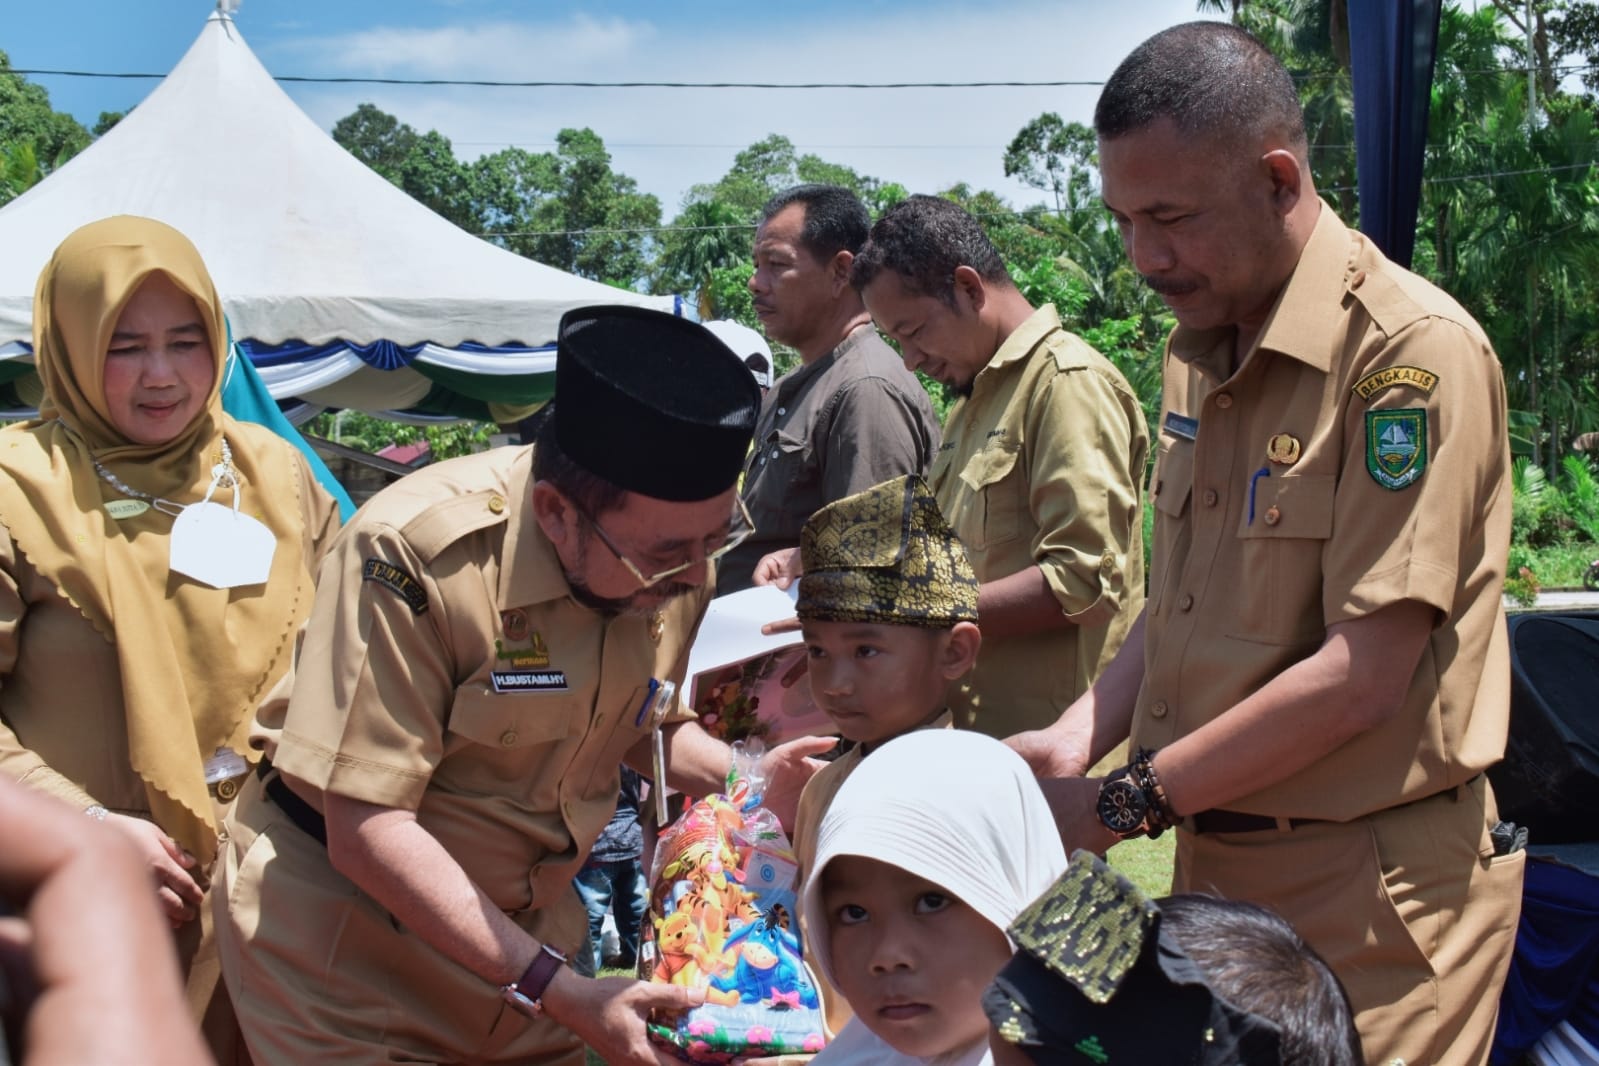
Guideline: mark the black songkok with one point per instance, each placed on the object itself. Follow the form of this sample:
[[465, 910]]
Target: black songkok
[[652, 403]]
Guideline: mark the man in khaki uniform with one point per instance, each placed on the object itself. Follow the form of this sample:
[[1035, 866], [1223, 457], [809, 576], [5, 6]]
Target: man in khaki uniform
[[1040, 468], [849, 416], [1322, 675], [489, 643]]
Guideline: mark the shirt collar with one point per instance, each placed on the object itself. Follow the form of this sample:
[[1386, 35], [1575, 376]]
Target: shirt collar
[[1304, 322], [530, 569], [1024, 338]]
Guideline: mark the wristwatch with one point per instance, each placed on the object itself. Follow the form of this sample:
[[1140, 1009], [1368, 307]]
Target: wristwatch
[[1122, 806], [526, 993]]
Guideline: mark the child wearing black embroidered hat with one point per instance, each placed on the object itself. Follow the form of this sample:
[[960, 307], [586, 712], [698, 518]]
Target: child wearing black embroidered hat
[[1102, 974]]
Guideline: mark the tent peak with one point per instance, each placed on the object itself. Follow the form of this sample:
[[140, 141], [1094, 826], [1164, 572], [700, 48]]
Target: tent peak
[[225, 10]]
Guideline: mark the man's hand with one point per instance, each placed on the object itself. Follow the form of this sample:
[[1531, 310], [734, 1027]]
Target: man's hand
[[781, 568], [169, 865], [787, 768], [609, 1014], [1051, 752], [1074, 802]]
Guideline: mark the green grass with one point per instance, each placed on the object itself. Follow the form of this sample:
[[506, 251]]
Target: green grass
[[1146, 863], [1561, 566]]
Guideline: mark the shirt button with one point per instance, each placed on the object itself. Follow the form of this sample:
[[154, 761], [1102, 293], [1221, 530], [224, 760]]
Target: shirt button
[[782, 410], [507, 738], [1211, 497], [1273, 516], [496, 504], [1186, 603], [1358, 280], [1224, 401], [774, 453], [1107, 562], [1158, 709]]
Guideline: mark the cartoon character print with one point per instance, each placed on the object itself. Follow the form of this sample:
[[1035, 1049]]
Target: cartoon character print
[[765, 970]]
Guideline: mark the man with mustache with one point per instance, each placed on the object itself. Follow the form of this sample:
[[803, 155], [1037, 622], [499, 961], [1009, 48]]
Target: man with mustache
[[849, 416], [1322, 675], [491, 637], [1040, 468]]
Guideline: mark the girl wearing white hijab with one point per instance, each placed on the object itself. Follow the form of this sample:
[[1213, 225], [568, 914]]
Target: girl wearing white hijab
[[924, 857]]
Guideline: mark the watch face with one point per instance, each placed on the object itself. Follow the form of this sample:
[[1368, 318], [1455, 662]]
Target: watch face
[[1121, 806]]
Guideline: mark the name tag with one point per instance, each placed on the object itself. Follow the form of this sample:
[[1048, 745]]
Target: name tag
[[1181, 426], [529, 680]]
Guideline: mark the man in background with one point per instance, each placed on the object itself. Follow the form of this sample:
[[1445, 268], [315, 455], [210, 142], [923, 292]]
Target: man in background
[[850, 416]]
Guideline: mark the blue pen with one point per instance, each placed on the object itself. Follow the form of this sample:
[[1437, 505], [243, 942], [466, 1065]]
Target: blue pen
[[649, 701], [1264, 471]]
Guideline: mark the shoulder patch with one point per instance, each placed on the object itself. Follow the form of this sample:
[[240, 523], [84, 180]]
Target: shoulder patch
[[1396, 447], [397, 581], [1423, 380]]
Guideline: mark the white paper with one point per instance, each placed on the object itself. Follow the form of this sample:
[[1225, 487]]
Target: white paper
[[221, 547], [731, 629], [736, 670]]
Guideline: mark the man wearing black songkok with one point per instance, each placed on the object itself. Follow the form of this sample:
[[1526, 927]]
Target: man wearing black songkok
[[492, 636]]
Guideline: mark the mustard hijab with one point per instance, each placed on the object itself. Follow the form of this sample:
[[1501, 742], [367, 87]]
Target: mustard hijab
[[194, 660]]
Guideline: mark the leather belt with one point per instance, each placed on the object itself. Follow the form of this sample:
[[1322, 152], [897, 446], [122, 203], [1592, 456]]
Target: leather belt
[[1239, 822], [1215, 821], [301, 813]]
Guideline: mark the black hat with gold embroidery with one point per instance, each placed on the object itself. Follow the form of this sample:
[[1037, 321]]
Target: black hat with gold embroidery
[[885, 555], [1095, 979], [651, 402]]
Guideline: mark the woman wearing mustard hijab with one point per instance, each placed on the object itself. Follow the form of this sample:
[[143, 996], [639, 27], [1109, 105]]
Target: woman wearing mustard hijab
[[156, 561]]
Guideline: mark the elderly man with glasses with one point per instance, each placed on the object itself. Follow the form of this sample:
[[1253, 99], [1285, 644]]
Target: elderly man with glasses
[[491, 638]]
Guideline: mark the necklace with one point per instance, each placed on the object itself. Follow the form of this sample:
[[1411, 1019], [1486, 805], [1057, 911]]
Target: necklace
[[221, 474]]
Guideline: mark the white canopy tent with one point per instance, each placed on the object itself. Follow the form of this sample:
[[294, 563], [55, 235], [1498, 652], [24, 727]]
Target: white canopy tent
[[304, 241]]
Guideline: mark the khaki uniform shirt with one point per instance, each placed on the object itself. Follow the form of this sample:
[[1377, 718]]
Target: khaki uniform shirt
[[1389, 400], [447, 670], [853, 419], [63, 726], [1042, 466]]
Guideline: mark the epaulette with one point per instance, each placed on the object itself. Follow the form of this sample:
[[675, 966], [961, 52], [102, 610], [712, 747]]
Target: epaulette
[[449, 520], [1396, 301], [1075, 354]]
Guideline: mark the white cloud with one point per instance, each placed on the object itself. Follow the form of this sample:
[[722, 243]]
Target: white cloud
[[669, 139]]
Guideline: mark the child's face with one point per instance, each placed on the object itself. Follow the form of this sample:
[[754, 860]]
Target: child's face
[[877, 682], [912, 960]]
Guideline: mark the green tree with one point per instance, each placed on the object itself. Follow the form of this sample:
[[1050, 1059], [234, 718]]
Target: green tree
[[1055, 156], [705, 236], [571, 210], [35, 139]]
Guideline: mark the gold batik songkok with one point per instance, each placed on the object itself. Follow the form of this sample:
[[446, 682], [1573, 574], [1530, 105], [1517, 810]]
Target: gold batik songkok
[[887, 556]]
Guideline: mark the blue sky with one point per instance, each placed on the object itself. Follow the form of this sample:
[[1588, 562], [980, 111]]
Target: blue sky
[[666, 139]]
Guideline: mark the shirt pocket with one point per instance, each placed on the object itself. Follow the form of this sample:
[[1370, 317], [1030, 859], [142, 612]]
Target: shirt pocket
[[501, 727], [994, 476], [1280, 598], [783, 454], [1170, 489]]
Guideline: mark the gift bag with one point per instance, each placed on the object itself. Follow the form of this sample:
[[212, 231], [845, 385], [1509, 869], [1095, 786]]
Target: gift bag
[[722, 898]]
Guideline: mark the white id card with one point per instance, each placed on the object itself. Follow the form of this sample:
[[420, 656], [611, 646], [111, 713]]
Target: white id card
[[221, 547]]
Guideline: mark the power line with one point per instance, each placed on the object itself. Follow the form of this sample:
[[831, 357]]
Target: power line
[[812, 85], [1013, 216]]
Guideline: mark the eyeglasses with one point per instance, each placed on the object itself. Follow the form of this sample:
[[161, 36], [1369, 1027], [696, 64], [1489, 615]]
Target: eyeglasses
[[734, 539]]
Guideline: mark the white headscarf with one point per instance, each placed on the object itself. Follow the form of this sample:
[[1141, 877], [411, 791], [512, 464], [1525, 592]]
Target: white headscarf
[[956, 808]]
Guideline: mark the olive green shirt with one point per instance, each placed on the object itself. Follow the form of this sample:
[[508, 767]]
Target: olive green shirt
[[1042, 466]]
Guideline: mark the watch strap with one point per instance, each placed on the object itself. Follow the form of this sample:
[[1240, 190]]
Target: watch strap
[[527, 991]]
